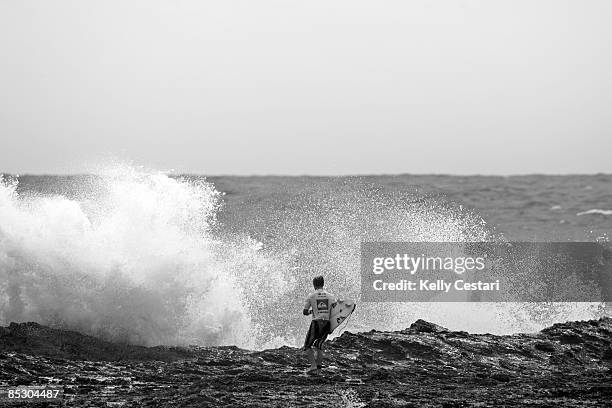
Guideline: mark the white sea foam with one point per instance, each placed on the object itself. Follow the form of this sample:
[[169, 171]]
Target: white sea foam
[[139, 263], [595, 211]]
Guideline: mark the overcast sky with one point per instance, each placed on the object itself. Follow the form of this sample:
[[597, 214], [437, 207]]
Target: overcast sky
[[307, 87]]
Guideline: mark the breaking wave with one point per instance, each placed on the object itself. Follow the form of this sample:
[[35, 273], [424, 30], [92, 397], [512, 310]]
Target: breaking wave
[[134, 260], [595, 211]]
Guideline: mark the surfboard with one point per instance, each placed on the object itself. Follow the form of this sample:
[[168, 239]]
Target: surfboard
[[339, 312]]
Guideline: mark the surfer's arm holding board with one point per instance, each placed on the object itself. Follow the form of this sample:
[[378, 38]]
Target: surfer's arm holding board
[[307, 308]]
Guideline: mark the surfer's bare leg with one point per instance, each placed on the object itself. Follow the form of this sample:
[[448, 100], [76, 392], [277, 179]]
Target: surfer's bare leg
[[311, 358], [319, 358]]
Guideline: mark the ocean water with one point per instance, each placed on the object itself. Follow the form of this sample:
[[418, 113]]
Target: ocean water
[[143, 257]]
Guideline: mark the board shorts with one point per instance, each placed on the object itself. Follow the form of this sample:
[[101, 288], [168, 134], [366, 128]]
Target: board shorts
[[317, 334]]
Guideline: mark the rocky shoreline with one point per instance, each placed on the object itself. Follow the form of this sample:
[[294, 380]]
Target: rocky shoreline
[[565, 365]]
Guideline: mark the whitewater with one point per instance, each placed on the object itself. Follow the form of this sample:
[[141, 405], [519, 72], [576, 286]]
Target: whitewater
[[142, 257]]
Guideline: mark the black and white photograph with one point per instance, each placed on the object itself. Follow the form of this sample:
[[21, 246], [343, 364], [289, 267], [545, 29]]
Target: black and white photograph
[[280, 203]]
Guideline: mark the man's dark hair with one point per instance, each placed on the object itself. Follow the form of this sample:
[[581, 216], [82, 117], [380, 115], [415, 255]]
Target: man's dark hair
[[318, 282]]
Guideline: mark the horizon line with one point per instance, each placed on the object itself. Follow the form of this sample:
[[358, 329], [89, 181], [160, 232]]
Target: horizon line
[[172, 173]]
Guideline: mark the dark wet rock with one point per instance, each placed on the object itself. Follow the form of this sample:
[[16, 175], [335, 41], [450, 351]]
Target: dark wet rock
[[545, 346], [607, 354], [426, 365], [422, 326], [502, 377]]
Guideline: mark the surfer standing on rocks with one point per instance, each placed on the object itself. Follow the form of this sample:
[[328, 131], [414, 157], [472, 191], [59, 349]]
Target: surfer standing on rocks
[[318, 303]]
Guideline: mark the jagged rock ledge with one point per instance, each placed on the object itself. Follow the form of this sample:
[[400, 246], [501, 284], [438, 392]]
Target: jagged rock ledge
[[567, 364], [36, 339]]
